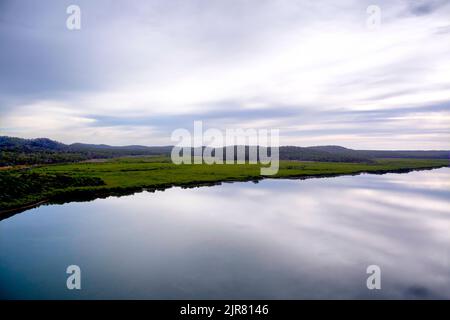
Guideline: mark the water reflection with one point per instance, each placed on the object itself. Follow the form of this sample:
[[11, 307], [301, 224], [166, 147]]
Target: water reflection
[[275, 239]]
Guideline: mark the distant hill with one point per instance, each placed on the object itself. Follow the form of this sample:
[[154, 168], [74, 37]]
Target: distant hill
[[125, 150], [39, 144], [15, 151], [377, 154], [320, 154]]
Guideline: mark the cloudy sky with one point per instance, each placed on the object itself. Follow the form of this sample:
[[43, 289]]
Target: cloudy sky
[[137, 70]]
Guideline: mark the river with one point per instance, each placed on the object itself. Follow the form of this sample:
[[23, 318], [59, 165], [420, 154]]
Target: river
[[276, 239]]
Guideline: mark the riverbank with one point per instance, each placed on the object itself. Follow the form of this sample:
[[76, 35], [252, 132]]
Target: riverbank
[[124, 176]]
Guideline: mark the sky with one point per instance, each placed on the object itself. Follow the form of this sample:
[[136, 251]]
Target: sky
[[315, 70]]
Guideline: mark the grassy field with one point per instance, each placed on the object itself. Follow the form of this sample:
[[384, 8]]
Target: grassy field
[[90, 180]]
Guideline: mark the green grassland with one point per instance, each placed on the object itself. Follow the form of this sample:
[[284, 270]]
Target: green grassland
[[89, 180]]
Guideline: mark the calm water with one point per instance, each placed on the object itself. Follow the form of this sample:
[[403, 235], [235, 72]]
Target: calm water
[[275, 239]]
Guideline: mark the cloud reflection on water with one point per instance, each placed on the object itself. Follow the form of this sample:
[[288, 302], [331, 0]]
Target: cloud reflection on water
[[275, 239]]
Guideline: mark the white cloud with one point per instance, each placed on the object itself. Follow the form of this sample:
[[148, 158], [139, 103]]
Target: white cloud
[[154, 59]]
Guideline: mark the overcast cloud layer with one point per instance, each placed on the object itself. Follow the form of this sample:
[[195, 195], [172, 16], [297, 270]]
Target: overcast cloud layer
[[139, 69]]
